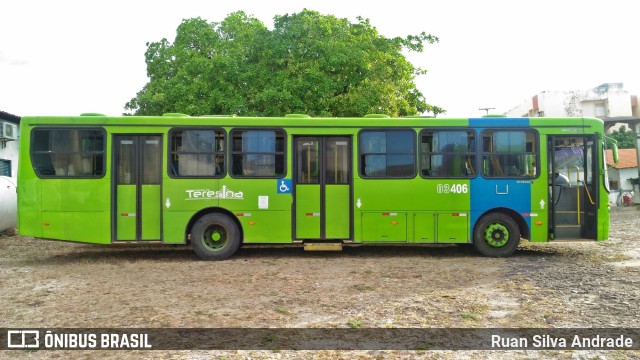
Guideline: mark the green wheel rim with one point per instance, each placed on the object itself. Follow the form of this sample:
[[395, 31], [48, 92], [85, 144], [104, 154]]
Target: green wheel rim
[[496, 235], [215, 238]]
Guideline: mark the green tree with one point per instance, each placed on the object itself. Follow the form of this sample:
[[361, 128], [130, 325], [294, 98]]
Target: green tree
[[625, 138], [309, 63]]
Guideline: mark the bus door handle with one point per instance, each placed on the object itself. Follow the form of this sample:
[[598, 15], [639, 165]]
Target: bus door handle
[[503, 192]]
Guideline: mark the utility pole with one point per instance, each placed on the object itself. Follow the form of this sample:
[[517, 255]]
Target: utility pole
[[486, 109]]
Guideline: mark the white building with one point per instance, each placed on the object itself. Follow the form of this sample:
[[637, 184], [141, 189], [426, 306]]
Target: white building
[[623, 175], [9, 133], [608, 100]]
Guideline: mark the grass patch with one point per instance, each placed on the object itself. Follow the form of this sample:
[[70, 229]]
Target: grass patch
[[282, 311], [469, 315], [355, 323], [606, 258], [362, 287]]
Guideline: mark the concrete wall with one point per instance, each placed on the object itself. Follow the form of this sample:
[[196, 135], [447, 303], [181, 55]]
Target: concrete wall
[[558, 104], [522, 110], [619, 103], [623, 176]]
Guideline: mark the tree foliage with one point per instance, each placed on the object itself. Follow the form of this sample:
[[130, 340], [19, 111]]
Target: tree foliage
[[309, 63], [625, 138]]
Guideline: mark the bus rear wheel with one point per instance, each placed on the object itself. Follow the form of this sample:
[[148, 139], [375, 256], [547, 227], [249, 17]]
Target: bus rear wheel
[[215, 237], [496, 235]]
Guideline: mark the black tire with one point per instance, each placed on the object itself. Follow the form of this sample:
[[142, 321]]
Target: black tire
[[496, 235], [215, 237]]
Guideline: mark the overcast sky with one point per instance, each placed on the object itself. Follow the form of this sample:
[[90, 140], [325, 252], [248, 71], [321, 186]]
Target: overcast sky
[[68, 57]]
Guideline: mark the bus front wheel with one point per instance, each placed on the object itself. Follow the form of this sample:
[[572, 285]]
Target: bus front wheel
[[215, 237], [496, 235]]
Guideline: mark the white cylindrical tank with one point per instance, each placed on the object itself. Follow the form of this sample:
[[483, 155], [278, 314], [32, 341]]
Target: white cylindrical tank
[[8, 203]]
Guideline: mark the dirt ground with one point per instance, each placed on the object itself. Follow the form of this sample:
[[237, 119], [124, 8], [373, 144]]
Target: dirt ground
[[584, 285]]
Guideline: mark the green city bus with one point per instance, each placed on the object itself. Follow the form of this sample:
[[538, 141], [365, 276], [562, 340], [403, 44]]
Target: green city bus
[[218, 182]]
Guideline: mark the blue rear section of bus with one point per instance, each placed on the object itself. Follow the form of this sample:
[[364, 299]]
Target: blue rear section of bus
[[494, 193]]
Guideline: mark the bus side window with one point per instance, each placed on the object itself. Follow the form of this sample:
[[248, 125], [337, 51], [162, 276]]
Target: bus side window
[[196, 153], [447, 153], [258, 153], [509, 153], [388, 153], [68, 152]]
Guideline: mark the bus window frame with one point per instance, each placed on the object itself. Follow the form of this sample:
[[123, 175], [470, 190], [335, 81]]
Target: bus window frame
[[476, 163], [71, 127], [231, 152], [481, 153], [224, 151], [387, 129]]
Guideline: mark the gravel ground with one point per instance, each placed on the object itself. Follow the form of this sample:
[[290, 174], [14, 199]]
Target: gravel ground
[[562, 285]]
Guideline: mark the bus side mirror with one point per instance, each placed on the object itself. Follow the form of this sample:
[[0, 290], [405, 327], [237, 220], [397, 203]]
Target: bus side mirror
[[614, 148]]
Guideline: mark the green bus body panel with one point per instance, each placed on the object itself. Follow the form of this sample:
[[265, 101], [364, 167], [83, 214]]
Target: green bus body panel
[[452, 228], [337, 211], [248, 192], [150, 212], [424, 230], [415, 194], [267, 227], [540, 191], [29, 203], [76, 232], [175, 226], [244, 199], [53, 225], [52, 195], [70, 212], [603, 208], [126, 212], [384, 227], [441, 227], [308, 211], [539, 186]]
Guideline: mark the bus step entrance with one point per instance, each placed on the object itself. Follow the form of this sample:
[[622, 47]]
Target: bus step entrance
[[323, 246]]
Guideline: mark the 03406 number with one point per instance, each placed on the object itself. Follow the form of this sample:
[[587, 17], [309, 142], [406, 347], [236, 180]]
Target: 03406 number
[[452, 188]]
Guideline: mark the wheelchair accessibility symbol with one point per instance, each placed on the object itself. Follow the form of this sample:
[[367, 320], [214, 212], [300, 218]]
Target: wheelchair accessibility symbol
[[284, 186]]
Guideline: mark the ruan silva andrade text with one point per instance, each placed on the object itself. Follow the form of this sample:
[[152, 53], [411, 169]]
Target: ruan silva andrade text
[[575, 342]]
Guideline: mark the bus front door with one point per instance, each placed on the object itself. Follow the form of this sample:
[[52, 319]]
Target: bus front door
[[573, 187], [137, 174], [322, 188]]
